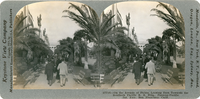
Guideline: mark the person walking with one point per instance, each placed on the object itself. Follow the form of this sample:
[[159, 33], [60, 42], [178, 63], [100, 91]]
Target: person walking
[[62, 67], [58, 61], [150, 66], [49, 71], [145, 70], [137, 69], [174, 63]]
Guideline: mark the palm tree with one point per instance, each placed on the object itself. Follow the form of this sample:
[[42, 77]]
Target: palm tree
[[22, 35], [27, 43], [168, 46], [39, 48], [173, 18], [65, 48], [154, 46], [127, 46], [94, 29]]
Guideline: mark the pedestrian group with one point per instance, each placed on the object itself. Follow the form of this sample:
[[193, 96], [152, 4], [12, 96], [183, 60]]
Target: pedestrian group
[[148, 67], [60, 67]]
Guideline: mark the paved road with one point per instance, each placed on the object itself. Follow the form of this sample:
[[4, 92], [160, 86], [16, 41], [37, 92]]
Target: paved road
[[41, 83], [127, 83]]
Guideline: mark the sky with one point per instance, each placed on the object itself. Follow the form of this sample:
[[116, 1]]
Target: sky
[[58, 27], [145, 26]]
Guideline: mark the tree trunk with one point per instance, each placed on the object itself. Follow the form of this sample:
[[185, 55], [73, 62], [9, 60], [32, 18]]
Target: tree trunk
[[99, 56], [79, 63], [112, 52], [98, 60], [168, 58], [174, 49], [86, 58], [71, 58], [159, 56], [174, 52]]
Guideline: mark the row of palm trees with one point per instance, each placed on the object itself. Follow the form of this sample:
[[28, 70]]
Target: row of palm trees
[[167, 44], [105, 35], [29, 49]]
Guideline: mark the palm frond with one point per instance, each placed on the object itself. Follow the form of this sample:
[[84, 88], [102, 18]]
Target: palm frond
[[172, 18], [78, 9], [84, 33], [17, 24]]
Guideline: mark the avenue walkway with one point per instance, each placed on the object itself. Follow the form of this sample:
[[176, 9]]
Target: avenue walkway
[[127, 83]]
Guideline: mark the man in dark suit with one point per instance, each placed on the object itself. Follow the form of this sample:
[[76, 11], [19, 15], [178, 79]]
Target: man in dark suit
[[49, 71], [137, 69]]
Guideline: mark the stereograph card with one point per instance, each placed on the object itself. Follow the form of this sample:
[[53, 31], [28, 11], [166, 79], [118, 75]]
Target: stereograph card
[[92, 49]]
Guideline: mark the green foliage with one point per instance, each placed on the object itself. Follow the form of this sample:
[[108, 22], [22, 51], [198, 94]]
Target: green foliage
[[173, 18], [27, 44], [154, 46], [126, 45], [65, 49], [93, 29]]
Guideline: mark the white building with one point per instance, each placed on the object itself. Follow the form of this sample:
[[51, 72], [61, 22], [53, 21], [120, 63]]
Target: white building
[[52, 48]]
